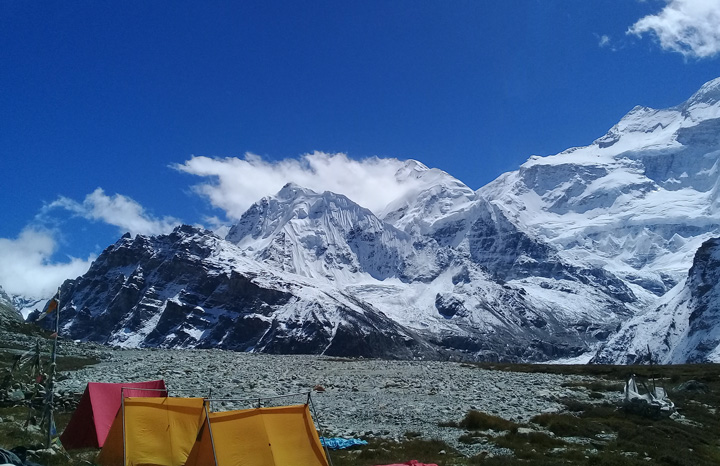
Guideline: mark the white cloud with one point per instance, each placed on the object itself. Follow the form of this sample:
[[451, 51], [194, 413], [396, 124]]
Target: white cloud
[[118, 210], [237, 183], [690, 27], [604, 41], [26, 269]]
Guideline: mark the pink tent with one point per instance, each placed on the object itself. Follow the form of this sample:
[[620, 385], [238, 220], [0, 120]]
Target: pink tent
[[91, 421]]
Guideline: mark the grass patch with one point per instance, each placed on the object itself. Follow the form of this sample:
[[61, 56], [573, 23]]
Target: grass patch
[[448, 424], [477, 420], [20, 428], [596, 386], [379, 451], [574, 405], [13, 433], [528, 446], [568, 425]]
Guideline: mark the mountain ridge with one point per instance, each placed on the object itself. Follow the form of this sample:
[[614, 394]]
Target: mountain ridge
[[554, 260]]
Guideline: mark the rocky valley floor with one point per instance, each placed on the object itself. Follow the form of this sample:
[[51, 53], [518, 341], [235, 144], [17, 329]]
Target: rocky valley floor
[[443, 412], [358, 398]]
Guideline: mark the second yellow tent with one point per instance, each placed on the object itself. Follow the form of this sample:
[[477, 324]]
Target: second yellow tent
[[278, 436]]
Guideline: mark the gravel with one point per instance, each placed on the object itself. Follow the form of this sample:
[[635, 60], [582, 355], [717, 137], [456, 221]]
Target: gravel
[[351, 397]]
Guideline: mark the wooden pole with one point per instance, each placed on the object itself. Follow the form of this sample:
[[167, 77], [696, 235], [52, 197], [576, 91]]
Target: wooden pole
[[652, 374], [51, 374]]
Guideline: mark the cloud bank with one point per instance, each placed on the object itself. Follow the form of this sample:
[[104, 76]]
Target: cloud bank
[[236, 183], [26, 269], [118, 210], [690, 27]]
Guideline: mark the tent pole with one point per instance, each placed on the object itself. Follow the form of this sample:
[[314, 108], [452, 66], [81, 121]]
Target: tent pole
[[259, 399], [317, 420], [212, 440], [122, 410]]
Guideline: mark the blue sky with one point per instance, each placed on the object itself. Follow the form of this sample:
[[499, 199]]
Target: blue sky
[[120, 116]]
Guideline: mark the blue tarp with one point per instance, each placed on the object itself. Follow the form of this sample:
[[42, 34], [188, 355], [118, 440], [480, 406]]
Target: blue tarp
[[337, 443]]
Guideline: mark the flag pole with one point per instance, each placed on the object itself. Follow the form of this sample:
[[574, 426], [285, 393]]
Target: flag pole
[[51, 375]]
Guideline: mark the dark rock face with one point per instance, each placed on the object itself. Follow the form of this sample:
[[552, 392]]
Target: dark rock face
[[170, 291], [500, 246], [449, 305], [704, 285]]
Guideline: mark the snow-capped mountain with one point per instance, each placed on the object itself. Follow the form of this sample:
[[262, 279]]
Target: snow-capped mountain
[[545, 262], [447, 285], [310, 272], [327, 236], [638, 202]]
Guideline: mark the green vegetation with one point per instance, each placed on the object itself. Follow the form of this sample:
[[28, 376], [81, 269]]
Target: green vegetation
[[380, 451], [476, 420], [20, 426]]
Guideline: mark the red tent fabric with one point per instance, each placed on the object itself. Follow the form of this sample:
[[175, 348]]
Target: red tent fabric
[[91, 421]]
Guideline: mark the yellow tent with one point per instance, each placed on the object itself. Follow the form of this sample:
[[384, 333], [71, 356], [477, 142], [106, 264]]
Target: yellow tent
[[153, 431], [279, 436]]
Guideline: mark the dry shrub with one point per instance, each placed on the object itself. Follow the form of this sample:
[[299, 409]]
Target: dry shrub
[[477, 420], [567, 425]]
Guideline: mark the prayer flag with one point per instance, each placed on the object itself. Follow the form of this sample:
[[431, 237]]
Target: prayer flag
[[51, 305]]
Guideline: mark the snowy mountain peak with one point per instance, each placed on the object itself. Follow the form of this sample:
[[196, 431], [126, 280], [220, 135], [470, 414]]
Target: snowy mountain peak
[[648, 128], [292, 203], [411, 169], [709, 93], [316, 235], [684, 327], [431, 195], [293, 191]]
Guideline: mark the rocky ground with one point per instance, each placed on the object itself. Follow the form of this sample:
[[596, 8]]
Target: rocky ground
[[352, 398]]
